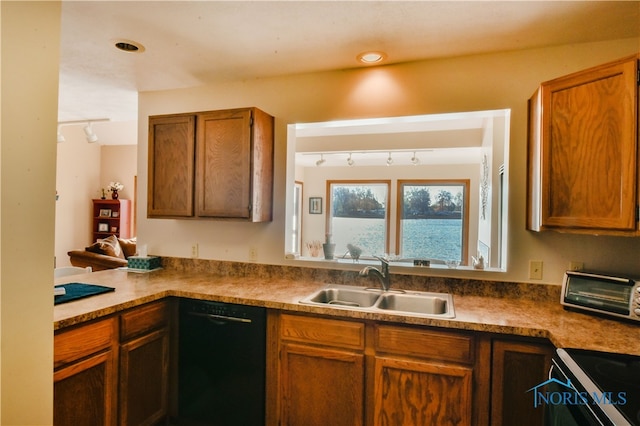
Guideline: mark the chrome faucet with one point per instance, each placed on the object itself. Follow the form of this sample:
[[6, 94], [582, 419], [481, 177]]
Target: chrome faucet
[[382, 275]]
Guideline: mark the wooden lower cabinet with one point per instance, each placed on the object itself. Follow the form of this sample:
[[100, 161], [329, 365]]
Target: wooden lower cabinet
[[343, 372], [517, 366], [144, 365], [423, 377], [321, 379], [85, 375], [114, 371], [409, 392], [322, 386]]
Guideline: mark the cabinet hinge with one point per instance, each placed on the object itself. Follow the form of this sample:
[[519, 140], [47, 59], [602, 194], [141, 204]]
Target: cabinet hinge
[[251, 121]]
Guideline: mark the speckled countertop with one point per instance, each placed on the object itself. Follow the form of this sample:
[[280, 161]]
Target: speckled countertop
[[517, 311]]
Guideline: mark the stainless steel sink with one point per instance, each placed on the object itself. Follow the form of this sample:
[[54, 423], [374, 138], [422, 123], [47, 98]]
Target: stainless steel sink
[[436, 304], [353, 297], [415, 303]]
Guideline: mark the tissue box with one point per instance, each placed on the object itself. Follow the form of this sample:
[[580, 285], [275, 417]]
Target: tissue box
[[143, 262]]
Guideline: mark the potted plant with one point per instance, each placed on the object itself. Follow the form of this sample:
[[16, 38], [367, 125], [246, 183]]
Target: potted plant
[[328, 247]]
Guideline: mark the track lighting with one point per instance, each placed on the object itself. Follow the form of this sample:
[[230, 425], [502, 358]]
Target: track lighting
[[415, 160], [350, 161], [365, 158], [88, 131]]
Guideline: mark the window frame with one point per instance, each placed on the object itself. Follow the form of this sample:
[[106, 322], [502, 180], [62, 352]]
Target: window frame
[[362, 182], [466, 183], [296, 229]]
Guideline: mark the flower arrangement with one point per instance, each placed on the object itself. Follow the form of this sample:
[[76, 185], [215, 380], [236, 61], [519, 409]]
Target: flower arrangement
[[115, 186], [314, 247]]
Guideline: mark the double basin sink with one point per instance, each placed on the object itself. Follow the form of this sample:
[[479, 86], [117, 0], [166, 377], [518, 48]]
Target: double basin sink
[[415, 303]]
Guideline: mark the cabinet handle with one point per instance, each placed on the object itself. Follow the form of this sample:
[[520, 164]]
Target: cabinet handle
[[220, 317]]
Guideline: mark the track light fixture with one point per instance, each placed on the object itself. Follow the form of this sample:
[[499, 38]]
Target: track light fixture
[[350, 161], [88, 131], [415, 160], [364, 158]]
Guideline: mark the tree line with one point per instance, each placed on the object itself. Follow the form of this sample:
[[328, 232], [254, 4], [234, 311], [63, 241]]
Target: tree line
[[417, 203], [359, 201]]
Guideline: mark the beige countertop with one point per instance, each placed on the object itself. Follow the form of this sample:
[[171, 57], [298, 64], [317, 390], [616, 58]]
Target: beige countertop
[[519, 316]]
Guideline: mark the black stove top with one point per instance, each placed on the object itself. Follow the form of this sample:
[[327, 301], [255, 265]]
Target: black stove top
[[616, 375]]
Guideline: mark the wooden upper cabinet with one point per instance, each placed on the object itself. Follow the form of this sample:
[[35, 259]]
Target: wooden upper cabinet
[[583, 154], [171, 166], [224, 168]]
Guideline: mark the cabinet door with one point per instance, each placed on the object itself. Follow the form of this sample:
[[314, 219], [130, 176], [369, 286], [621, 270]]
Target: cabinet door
[[585, 164], [85, 392], [223, 176], [414, 392], [517, 367], [171, 166], [144, 374], [321, 386]]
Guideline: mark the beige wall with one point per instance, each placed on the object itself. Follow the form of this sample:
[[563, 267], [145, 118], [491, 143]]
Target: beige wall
[[77, 182], [119, 163], [30, 61], [82, 170], [481, 82]]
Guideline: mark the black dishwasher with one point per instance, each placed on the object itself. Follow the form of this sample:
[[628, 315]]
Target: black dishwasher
[[221, 364]]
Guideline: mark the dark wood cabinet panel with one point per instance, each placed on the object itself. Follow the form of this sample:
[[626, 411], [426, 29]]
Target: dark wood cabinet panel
[[85, 391], [171, 166], [420, 392], [144, 364], [516, 368], [224, 164], [144, 375], [85, 375], [321, 386]]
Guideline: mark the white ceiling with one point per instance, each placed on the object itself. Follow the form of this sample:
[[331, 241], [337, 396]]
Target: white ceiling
[[193, 43]]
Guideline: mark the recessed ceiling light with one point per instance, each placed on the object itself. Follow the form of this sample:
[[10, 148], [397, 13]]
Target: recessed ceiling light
[[371, 57], [129, 46]]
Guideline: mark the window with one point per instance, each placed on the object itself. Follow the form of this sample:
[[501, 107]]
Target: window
[[465, 148], [433, 219], [358, 215]]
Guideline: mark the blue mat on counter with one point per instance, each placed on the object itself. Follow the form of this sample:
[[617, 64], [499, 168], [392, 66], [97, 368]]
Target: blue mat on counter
[[75, 291]]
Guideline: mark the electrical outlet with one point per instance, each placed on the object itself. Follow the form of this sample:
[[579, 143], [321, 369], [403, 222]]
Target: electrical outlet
[[253, 254], [576, 266], [535, 269], [194, 250]]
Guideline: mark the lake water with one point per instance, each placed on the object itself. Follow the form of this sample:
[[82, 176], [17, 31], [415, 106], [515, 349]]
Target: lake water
[[425, 238]]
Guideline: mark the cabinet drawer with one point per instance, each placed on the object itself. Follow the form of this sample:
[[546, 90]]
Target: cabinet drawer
[[80, 342], [143, 319], [322, 331], [440, 345]]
